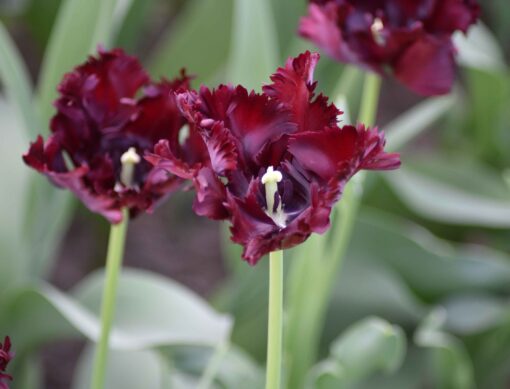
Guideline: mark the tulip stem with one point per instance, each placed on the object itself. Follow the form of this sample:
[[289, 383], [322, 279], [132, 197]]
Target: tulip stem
[[370, 100], [274, 338], [312, 280], [114, 256]]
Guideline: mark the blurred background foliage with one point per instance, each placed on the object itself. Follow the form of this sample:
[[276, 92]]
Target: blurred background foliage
[[429, 254]]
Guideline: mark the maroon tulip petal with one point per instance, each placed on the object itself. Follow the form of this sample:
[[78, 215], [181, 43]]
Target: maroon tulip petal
[[374, 157], [293, 86], [164, 158], [259, 235], [428, 66], [251, 227], [158, 115], [211, 195], [323, 152], [255, 120], [252, 119], [102, 88], [6, 355], [39, 157], [452, 15], [221, 146], [320, 26]]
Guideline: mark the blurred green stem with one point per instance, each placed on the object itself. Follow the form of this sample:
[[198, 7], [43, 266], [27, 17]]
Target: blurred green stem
[[313, 273], [274, 338], [370, 100], [114, 256], [212, 368]]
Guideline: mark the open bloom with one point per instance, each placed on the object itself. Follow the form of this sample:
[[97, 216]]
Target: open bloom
[[412, 38], [277, 162], [5, 357], [101, 131]]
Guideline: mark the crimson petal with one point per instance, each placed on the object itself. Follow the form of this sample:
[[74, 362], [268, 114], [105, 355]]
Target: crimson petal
[[211, 195], [427, 67], [293, 87]]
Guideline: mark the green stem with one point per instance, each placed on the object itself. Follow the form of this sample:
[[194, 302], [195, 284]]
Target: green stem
[[116, 244], [312, 278], [274, 338], [212, 368], [370, 100]]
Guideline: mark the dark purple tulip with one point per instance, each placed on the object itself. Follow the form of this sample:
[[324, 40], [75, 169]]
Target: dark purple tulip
[[285, 138], [5, 357], [411, 39], [100, 122]]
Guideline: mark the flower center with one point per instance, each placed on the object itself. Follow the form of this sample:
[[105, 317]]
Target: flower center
[[377, 28], [128, 160], [270, 180]]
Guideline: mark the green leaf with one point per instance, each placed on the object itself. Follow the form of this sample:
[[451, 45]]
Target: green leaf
[[28, 373], [366, 286], [131, 32], [432, 267], [62, 317], [409, 376], [239, 370], [245, 297], [133, 369], [414, 121], [470, 313], [15, 175], [379, 341], [80, 26], [254, 55], [151, 311], [479, 49], [199, 40], [364, 348], [442, 201], [44, 202], [14, 76], [235, 368], [287, 14], [488, 115], [452, 365]]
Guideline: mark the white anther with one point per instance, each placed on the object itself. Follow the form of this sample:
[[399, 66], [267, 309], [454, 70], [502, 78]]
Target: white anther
[[183, 134], [271, 176], [129, 159], [377, 28]]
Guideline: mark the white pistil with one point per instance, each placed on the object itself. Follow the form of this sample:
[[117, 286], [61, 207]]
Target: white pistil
[[270, 180], [129, 160], [377, 28]]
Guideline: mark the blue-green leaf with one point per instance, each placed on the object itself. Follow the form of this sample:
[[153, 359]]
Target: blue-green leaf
[[254, 55], [14, 76], [364, 348], [199, 40], [453, 367]]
